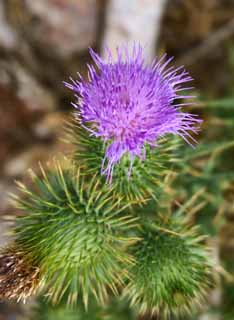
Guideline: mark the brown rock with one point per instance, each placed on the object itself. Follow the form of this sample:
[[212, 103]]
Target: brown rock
[[65, 27]]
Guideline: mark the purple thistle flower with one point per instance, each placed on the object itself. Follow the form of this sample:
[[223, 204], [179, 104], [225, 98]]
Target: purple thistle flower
[[129, 104]]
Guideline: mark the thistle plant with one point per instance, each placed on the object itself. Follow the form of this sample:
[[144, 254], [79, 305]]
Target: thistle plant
[[96, 227]]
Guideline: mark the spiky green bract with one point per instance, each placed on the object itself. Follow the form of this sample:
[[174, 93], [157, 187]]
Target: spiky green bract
[[146, 176], [75, 234], [172, 270]]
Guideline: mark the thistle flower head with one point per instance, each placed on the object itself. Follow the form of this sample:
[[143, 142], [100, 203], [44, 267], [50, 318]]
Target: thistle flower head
[[129, 104]]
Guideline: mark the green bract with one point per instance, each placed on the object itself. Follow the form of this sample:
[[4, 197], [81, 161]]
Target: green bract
[[146, 178]]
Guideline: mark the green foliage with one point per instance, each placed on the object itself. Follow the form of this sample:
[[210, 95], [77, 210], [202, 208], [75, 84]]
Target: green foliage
[[75, 233], [172, 270], [146, 179], [44, 310], [205, 170], [114, 310], [220, 104]]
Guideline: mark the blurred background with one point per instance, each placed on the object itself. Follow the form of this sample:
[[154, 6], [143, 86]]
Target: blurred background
[[43, 42]]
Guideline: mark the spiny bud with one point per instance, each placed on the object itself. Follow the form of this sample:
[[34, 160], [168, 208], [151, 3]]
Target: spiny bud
[[75, 232], [173, 270], [19, 278]]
